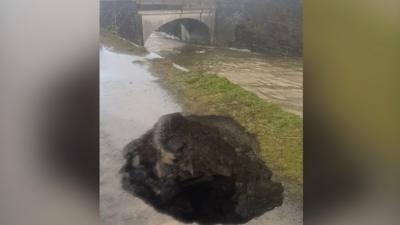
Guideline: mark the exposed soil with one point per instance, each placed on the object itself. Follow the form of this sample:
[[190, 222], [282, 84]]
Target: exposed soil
[[204, 169]]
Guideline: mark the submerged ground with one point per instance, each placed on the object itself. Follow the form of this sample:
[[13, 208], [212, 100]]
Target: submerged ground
[[137, 87], [274, 79]]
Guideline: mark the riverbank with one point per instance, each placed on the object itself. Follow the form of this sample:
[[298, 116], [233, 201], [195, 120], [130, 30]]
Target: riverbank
[[279, 132], [274, 79], [132, 99], [120, 44]]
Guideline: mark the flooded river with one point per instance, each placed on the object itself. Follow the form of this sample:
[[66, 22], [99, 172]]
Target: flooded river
[[274, 79], [131, 101]]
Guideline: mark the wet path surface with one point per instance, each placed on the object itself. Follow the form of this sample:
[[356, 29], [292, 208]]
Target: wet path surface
[[131, 101]]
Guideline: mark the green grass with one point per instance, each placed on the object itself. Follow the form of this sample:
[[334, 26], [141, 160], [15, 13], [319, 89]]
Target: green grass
[[280, 133], [117, 43]]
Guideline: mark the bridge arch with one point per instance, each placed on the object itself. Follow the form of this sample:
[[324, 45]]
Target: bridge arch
[[153, 20], [187, 29]]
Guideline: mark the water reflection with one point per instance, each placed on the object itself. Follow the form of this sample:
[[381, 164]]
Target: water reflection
[[130, 102]]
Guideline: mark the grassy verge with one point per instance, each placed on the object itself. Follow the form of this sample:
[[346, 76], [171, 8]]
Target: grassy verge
[[280, 133], [119, 44]]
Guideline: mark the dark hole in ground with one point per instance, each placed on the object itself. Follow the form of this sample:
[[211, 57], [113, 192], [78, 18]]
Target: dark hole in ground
[[203, 169]]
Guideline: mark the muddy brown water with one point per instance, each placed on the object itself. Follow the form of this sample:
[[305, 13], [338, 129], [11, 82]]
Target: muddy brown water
[[131, 101], [274, 79]]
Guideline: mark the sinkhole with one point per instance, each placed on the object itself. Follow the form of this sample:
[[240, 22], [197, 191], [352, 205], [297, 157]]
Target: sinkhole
[[203, 169]]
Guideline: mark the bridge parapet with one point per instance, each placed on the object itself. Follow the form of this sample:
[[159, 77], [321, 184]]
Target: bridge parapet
[[175, 4]]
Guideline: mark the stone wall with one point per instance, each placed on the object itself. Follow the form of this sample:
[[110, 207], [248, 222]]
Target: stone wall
[[269, 26]]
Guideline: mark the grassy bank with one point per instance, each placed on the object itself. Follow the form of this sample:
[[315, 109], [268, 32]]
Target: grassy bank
[[119, 44], [280, 133]]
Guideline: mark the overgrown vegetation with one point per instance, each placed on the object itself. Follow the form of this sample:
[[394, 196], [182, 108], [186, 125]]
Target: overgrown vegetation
[[280, 133], [110, 39]]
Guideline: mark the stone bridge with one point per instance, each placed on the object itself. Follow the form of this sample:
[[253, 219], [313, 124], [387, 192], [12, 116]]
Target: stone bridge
[[136, 20], [153, 14], [155, 19], [270, 26]]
